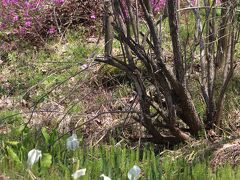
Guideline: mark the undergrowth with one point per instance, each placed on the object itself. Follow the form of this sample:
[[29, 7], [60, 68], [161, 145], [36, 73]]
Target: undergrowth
[[27, 77], [114, 159]]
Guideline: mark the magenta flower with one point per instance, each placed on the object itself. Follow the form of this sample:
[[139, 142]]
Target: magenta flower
[[59, 1], [15, 30], [52, 30], [15, 18], [158, 5], [2, 26], [14, 1], [93, 16], [27, 4], [7, 2], [28, 23], [22, 30]]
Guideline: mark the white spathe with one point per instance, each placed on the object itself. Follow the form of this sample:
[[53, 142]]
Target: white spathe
[[72, 142], [134, 173], [78, 173], [105, 177], [33, 156]]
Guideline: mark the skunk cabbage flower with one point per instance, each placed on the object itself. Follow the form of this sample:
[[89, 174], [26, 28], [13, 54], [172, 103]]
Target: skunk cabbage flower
[[33, 156], [72, 142], [105, 177], [134, 173], [78, 173]]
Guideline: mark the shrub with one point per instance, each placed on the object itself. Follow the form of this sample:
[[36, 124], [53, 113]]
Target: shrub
[[36, 19]]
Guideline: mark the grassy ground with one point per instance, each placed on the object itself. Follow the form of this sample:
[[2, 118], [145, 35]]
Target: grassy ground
[[113, 160], [59, 82]]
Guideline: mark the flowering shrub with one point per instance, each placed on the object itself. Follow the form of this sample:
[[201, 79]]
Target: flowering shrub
[[35, 19], [158, 5], [20, 16]]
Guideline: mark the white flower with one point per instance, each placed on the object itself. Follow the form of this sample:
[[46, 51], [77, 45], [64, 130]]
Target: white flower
[[78, 173], [105, 177], [84, 66], [134, 173], [33, 156], [72, 142]]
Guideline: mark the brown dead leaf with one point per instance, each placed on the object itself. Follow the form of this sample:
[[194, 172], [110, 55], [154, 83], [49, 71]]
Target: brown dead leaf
[[6, 102], [4, 130]]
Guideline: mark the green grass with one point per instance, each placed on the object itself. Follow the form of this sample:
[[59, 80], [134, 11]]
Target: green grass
[[41, 70], [115, 161]]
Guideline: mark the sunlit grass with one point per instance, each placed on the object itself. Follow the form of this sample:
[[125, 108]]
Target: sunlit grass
[[111, 160]]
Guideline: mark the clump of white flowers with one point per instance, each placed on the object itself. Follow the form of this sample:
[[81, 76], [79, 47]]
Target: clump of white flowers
[[33, 156], [105, 177], [72, 142], [134, 173], [78, 173]]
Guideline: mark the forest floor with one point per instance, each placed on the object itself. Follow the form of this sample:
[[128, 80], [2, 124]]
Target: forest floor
[[59, 89]]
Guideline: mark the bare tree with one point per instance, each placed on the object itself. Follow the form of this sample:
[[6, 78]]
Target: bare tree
[[169, 112]]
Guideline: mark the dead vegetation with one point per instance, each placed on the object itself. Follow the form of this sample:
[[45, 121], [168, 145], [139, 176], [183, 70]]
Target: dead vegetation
[[228, 154]]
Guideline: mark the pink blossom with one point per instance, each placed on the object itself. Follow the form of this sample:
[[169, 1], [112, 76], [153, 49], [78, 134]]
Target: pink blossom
[[28, 23], [52, 30], [8, 2], [15, 18], [158, 5], [59, 1], [2, 26], [22, 30], [27, 4], [218, 2], [15, 30], [93, 16]]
